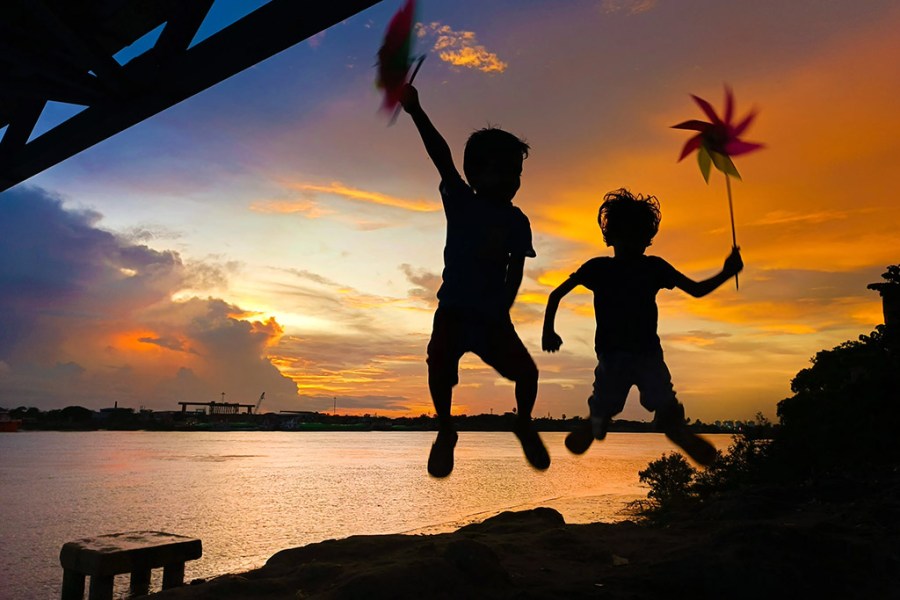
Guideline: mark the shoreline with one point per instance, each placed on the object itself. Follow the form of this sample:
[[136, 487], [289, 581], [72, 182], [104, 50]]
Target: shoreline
[[624, 513], [835, 540]]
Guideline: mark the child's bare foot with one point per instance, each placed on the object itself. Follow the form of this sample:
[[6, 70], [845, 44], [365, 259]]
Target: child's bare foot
[[580, 438], [534, 448], [693, 445], [599, 426], [440, 460]]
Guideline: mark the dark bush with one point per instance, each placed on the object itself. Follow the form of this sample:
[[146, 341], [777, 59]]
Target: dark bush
[[841, 420]]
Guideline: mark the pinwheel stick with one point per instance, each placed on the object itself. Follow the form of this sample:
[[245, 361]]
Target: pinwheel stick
[[737, 284], [419, 62]]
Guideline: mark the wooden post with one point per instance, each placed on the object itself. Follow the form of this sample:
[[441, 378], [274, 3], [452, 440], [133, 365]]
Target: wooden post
[[140, 582], [73, 585], [101, 587], [890, 303], [173, 575]]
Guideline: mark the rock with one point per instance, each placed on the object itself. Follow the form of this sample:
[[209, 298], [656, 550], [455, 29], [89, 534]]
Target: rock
[[476, 560]]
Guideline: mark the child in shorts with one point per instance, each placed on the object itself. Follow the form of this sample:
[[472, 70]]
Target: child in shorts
[[488, 239], [628, 349]]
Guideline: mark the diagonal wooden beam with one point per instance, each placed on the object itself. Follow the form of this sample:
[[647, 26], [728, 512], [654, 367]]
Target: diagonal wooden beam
[[263, 33], [181, 28], [79, 51], [19, 88], [26, 71], [22, 119]]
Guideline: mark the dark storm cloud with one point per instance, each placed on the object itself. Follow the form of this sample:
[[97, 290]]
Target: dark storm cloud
[[87, 316]]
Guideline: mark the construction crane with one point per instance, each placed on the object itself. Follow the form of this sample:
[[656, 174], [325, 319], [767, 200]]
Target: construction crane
[[258, 402]]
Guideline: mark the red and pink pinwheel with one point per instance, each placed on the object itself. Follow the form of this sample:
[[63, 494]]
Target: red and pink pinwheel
[[717, 141], [395, 58]]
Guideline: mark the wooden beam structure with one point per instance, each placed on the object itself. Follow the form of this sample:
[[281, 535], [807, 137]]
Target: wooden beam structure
[[59, 50]]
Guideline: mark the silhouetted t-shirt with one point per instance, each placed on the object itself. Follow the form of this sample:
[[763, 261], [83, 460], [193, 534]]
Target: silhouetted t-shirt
[[625, 300], [481, 237]]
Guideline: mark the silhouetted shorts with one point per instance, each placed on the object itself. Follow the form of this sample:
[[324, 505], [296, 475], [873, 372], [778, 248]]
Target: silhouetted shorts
[[492, 338], [617, 371]]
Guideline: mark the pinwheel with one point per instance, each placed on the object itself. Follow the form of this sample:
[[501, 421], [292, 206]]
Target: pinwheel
[[716, 142], [395, 59]]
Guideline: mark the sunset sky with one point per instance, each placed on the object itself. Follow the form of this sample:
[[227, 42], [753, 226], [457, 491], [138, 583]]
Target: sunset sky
[[273, 234]]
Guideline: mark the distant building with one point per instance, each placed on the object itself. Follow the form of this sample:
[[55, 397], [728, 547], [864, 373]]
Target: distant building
[[114, 413], [218, 408]]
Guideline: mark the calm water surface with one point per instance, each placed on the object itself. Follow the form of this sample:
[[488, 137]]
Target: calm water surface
[[247, 495]]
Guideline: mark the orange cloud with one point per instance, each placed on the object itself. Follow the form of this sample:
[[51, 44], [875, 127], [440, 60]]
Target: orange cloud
[[269, 330], [784, 217], [141, 340], [696, 338], [527, 297], [461, 48], [354, 299], [350, 193], [308, 208], [552, 279], [630, 6]]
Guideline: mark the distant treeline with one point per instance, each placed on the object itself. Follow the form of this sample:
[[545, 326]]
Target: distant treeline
[[78, 418]]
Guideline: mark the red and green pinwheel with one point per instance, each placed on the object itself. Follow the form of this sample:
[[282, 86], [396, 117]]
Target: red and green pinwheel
[[395, 57], [717, 141]]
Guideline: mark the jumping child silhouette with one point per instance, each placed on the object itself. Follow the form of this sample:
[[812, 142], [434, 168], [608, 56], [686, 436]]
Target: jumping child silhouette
[[487, 241], [627, 345]]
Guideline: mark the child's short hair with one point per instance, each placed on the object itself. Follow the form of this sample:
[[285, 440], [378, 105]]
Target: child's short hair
[[491, 143], [626, 216]]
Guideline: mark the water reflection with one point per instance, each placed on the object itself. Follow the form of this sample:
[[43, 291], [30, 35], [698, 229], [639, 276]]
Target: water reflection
[[248, 495]]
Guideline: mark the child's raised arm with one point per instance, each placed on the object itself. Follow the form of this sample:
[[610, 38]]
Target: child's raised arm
[[733, 265], [550, 340], [435, 144]]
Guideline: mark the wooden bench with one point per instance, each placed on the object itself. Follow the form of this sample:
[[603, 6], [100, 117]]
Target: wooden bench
[[135, 552]]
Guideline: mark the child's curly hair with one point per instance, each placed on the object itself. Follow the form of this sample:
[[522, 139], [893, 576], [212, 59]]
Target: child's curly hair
[[626, 216]]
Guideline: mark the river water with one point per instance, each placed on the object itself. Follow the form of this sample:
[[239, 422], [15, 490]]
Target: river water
[[247, 495]]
